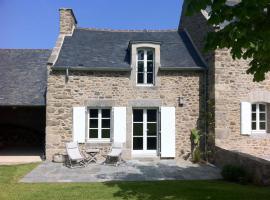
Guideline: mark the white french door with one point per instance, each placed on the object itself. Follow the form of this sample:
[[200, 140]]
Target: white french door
[[145, 129]]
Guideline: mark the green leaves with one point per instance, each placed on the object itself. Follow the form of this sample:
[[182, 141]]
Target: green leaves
[[247, 33]]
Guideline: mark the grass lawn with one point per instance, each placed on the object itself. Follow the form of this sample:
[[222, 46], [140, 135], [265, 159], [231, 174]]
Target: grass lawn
[[181, 190]]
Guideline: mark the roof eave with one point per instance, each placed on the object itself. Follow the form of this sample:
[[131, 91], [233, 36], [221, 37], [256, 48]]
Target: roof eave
[[79, 68], [182, 68]]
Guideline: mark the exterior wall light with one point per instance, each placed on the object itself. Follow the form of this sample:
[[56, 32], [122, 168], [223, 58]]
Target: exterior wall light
[[180, 101]]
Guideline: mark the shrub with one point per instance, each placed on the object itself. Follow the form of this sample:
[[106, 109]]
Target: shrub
[[234, 173], [195, 137]]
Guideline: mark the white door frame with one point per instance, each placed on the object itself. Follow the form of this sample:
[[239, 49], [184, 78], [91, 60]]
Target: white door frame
[[145, 152]]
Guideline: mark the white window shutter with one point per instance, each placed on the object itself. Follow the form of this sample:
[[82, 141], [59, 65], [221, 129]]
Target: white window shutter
[[168, 132], [119, 124], [79, 125], [245, 118]]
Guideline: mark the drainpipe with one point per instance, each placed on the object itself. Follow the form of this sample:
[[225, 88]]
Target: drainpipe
[[67, 73], [205, 111]]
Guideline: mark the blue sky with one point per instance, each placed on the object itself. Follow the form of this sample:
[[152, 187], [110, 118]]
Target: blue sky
[[35, 23]]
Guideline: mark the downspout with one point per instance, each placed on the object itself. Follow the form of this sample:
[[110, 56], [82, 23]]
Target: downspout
[[205, 112]]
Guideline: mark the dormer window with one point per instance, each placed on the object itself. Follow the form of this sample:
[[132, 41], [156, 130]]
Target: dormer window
[[145, 67]]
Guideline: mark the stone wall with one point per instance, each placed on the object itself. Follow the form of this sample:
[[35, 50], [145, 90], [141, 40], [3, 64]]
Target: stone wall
[[234, 85], [82, 88], [228, 85], [258, 169]]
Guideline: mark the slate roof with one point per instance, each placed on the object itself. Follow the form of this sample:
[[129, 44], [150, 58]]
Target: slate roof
[[23, 76], [108, 49]]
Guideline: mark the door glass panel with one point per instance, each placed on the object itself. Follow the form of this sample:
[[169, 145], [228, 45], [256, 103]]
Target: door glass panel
[[151, 143], [151, 129], [151, 115], [138, 129], [138, 115], [106, 113], [138, 143]]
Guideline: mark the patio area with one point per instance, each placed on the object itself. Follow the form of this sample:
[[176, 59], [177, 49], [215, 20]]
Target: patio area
[[133, 170]]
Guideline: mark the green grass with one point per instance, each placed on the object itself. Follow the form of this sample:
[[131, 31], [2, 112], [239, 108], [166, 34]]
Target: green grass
[[181, 190]]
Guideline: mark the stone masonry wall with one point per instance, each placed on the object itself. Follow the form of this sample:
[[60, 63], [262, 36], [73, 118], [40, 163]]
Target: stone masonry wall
[[228, 84], [232, 86], [83, 87]]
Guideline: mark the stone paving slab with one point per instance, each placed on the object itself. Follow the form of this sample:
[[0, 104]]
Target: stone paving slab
[[133, 170]]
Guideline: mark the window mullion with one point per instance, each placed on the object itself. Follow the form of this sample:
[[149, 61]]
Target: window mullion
[[99, 123], [145, 66]]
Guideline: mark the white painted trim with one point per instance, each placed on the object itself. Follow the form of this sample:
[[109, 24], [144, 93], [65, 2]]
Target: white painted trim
[[144, 152], [78, 130], [119, 124], [245, 118], [168, 132]]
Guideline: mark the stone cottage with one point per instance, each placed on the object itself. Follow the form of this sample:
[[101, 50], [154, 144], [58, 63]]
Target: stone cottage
[[140, 88], [144, 89]]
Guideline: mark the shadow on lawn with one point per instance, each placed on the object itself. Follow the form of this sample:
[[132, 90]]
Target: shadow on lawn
[[148, 189]]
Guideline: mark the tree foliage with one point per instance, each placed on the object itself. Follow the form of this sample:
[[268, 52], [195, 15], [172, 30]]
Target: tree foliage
[[247, 34]]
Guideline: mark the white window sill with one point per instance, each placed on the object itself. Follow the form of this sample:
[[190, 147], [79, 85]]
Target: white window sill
[[259, 132], [145, 85], [99, 141]]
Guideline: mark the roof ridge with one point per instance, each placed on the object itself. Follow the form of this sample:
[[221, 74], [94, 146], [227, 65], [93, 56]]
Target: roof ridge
[[127, 30]]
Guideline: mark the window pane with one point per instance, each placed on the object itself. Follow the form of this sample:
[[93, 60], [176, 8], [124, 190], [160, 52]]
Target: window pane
[[149, 66], [140, 66], [262, 107], [105, 133], [151, 143], [137, 129], [137, 115], [253, 107], [105, 123], [262, 116], [151, 115], [149, 77], [254, 116], [94, 113], [151, 129], [93, 123], [93, 133], [140, 78], [149, 55], [106, 113], [262, 125], [253, 125], [137, 143], [140, 55]]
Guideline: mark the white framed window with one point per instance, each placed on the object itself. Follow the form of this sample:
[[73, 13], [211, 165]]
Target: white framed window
[[145, 67], [258, 118], [99, 124]]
